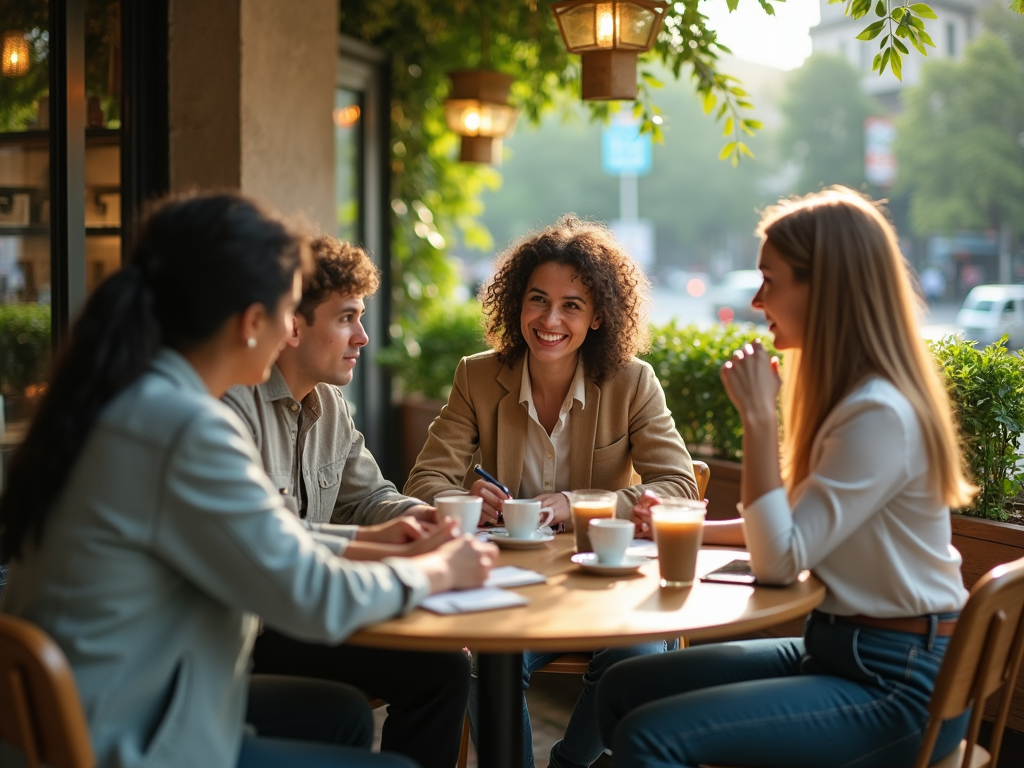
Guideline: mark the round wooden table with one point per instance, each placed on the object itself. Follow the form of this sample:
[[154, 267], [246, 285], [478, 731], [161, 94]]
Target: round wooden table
[[577, 611]]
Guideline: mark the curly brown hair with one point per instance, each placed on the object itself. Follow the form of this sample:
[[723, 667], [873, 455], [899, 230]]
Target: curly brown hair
[[617, 284], [337, 266]]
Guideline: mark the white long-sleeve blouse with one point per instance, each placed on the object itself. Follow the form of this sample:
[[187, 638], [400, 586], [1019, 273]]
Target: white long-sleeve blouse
[[868, 520]]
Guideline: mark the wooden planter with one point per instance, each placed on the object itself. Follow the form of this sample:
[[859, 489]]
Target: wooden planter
[[984, 544], [416, 417], [724, 488]]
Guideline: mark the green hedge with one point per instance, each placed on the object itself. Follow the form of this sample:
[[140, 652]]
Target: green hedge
[[687, 361], [986, 387], [24, 346], [424, 359]]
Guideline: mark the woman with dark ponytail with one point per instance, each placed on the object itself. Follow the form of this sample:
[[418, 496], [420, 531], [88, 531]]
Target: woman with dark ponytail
[[144, 537]]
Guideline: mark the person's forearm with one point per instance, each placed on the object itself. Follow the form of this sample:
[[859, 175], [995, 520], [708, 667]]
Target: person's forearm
[[724, 533], [760, 458], [373, 550]]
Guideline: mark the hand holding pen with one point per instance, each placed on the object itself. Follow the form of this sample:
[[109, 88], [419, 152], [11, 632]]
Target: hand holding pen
[[492, 492]]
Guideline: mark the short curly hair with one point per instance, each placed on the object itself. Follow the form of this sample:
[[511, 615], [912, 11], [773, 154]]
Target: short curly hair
[[337, 266], [617, 284]]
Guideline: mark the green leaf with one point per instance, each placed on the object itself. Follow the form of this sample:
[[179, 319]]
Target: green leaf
[[727, 150], [914, 21], [732, 4], [896, 64], [917, 44], [897, 14], [651, 80], [729, 124], [885, 60], [925, 38], [859, 8], [721, 110], [744, 149], [924, 11], [756, 125], [737, 91], [900, 46], [709, 101], [880, 9], [876, 62], [871, 31]]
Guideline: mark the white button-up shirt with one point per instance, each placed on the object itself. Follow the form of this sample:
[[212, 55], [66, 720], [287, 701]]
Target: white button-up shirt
[[546, 457]]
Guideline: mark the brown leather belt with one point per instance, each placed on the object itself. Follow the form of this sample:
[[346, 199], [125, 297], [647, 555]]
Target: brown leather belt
[[915, 626]]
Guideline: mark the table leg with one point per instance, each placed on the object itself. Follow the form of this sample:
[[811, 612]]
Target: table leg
[[500, 719]]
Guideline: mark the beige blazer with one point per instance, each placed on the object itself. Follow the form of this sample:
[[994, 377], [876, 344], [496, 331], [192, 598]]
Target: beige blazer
[[623, 440]]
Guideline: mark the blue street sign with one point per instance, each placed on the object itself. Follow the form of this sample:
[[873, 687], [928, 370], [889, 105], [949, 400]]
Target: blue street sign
[[623, 149]]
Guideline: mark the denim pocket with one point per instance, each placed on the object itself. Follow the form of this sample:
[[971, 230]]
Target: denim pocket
[[832, 650]]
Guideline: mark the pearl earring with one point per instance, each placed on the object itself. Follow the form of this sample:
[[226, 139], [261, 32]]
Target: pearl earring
[[251, 343]]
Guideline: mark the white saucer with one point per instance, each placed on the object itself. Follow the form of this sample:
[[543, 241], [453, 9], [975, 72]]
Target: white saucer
[[588, 562], [540, 537]]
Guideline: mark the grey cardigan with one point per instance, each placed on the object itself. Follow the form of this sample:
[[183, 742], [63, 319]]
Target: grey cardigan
[[165, 544]]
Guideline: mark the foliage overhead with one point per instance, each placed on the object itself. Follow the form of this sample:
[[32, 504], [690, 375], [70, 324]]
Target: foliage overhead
[[824, 109], [986, 388], [897, 22], [435, 198], [961, 141]]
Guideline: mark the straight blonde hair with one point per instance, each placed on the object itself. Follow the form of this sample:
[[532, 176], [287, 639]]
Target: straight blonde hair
[[861, 320]]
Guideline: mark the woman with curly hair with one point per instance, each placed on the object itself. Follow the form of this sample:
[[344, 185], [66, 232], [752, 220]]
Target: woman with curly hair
[[560, 403]]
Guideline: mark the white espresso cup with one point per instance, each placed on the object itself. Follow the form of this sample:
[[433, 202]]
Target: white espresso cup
[[610, 537], [523, 517], [465, 510]]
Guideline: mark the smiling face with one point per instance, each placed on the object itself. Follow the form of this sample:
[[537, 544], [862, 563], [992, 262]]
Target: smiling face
[[327, 349], [782, 298], [558, 312]]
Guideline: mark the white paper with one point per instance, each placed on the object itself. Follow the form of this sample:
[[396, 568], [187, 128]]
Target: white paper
[[467, 601], [513, 576], [642, 548]]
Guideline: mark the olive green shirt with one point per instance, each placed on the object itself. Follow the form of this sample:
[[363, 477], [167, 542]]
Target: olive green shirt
[[314, 454]]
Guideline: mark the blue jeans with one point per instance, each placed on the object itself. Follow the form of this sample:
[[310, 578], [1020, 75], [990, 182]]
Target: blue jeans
[[843, 695], [581, 745], [295, 721]]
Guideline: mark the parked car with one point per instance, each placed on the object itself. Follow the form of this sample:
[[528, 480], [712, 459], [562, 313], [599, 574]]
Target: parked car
[[991, 311], [734, 294]]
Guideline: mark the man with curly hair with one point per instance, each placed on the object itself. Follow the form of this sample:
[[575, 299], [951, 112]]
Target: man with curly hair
[[314, 454], [561, 403]]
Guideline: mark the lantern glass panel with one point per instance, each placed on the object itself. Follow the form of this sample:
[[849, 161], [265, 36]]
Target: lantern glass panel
[[578, 24], [15, 54], [469, 117], [635, 25]]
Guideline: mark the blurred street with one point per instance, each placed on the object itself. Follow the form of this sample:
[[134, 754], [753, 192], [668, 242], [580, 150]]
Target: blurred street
[[669, 304]]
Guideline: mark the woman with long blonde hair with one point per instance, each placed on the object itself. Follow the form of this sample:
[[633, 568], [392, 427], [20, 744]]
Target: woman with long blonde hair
[[860, 494]]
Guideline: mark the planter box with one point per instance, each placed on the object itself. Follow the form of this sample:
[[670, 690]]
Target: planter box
[[984, 544], [724, 488], [416, 417]]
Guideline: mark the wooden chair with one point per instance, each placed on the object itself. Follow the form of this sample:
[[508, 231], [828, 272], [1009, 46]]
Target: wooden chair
[[41, 714], [983, 657]]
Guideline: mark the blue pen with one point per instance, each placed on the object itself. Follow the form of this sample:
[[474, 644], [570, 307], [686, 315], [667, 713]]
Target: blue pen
[[490, 479]]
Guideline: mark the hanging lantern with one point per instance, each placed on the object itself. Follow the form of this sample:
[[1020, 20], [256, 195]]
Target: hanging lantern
[[609, 36], [477, 109], [15, 54]]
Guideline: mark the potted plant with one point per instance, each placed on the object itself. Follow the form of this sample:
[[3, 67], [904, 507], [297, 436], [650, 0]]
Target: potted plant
[[24, 357], [986, 387], [423, 360], [687, 361]]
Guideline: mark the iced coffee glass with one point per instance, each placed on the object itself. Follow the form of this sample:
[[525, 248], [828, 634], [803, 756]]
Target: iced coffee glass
[[678, 531], [586, 506]]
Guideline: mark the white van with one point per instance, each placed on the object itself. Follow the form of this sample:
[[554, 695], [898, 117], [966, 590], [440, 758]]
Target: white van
[[991, 311]]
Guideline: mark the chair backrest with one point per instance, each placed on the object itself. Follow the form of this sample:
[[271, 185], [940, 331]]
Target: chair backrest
[[983, 656], [41, 713], [702, 473]]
